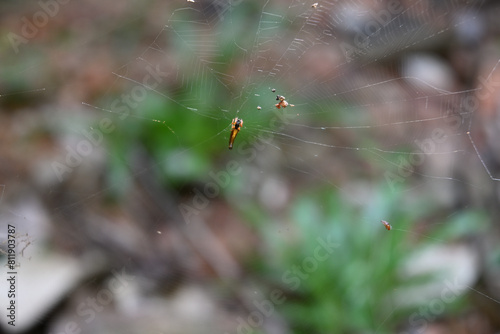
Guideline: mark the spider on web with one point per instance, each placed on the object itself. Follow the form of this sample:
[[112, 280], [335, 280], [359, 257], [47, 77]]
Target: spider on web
[[236, 125]]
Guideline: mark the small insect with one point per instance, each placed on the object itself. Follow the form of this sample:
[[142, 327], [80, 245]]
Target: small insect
[[282, 102], [386, 224], [236, 125], [259, 107], [273, 90], [314, 5]]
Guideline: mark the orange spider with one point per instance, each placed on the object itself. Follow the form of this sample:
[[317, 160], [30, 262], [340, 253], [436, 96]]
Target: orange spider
[[236, 125]]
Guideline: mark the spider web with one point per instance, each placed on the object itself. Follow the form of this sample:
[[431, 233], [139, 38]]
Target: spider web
[[326, 66]]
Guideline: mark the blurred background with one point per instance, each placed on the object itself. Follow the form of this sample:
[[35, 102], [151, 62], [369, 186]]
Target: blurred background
[[131, 214]]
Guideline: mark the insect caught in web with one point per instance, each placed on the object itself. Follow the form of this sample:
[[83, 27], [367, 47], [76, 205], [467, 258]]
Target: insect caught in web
[[386, 224], [236, 125], [282, 102]]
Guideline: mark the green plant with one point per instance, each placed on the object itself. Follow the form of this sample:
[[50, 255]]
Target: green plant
[[353, 290]]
